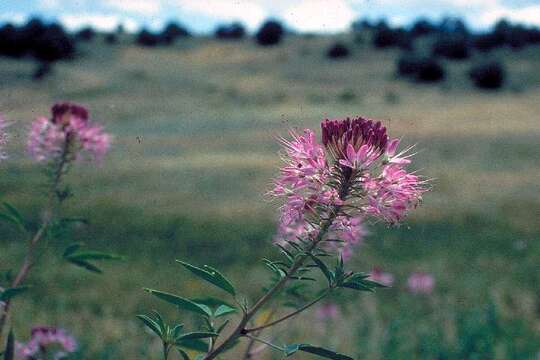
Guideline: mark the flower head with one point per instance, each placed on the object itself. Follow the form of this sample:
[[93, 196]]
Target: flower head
[[383, 278], [421, 283], [67, 133], [327, 311], [45, 339], [332, 189], [354, 142]]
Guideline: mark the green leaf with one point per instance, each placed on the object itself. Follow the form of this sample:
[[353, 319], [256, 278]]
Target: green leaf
[[183, 354], [211, 302], [9, 353], [94, 255], [80, 258], [85, 265], [177, 331], [151, 324], [181, 302], [321, 265], [212, 276], [316, 350], [222, 326], [10, 293], [13, 220], [193, 344], [16, 215], [72, 248], [224, 310], [197, 335]]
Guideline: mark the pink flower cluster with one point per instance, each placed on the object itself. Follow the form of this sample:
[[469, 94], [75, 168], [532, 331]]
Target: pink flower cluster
[[67, 132], [44, 340], [383, 278], [354, 175], [421, 283], [3, 137], [326, 312]]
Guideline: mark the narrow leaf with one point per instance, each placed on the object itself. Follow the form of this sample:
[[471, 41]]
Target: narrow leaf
[[94, 255], [85, 265], [72, 248], [194, 344], [9, 353], [183, 354], [151, 324], [224, 310], [316, 350], [181, 302], [10, 293], [197, 335], [327, 273], [211, 275]]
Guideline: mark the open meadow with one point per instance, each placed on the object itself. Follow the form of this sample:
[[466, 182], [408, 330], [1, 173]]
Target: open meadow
[[195, 149]]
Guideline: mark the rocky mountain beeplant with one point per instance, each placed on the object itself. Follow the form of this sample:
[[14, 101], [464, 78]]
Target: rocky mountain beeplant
[[331, 189], [55, 144]]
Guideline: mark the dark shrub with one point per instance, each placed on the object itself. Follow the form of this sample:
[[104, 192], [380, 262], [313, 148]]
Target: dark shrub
[[146, 38], [85, 34], [453, 26], [338, 50], [361, 25], [111, 38], [429, 70], [385, 37], [270, 33], [31, 32], [451, 47], [54, 44], [533, 35], [423, 27], [173, 31], [42, 69], [488, 76], [11, 41], [230, 31], [487, 42], [408, 65]]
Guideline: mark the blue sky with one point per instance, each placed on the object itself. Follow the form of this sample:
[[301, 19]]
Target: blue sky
[[303, 15]]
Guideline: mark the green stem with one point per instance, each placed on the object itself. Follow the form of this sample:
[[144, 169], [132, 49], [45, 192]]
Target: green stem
[[292, 314], [240, 330], [254, 338]]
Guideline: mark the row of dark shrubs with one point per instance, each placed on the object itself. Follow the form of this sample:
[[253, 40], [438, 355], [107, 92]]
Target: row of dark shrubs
[[489, 75], [44, 42], [270, 33], [452, 38]]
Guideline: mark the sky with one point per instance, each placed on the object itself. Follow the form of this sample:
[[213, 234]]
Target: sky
[[202, 16]]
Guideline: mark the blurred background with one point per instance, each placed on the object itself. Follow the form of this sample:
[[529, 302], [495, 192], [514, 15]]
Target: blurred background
[[196, 93]]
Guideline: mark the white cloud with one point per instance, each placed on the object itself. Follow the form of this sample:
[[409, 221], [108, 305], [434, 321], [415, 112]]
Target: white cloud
[[13, 17], [529, 15], [248, 12], [320, 15], [144, 7], [49, 4], [98, 21]]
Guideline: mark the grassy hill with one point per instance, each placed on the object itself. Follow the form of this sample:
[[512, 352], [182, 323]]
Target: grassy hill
[[195, 149]]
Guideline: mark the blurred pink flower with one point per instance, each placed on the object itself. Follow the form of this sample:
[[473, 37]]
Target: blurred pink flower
[[68, 133], [354, 175], [384, 278], [421, 283], [45, 337], [328, 311], [3, 137]]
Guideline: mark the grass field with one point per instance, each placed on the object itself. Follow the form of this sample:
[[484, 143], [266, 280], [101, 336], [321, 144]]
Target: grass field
[[195, 150]]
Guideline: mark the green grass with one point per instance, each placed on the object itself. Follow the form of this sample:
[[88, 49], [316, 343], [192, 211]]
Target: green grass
[[195, 149]]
